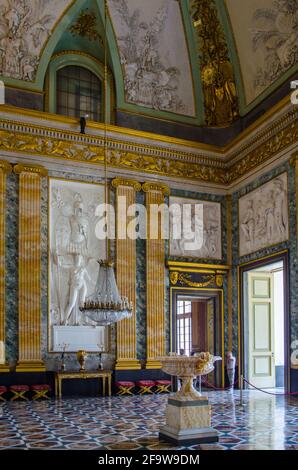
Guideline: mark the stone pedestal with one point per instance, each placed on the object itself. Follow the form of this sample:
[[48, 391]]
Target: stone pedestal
[[188, 422]]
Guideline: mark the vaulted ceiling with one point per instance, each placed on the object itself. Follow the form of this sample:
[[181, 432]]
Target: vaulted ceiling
[[197, 62]]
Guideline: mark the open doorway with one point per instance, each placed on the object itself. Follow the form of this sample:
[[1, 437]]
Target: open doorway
[[264, 325], [197, 326]]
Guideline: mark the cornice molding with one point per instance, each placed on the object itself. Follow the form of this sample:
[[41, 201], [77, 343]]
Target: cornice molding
[[24, 138]]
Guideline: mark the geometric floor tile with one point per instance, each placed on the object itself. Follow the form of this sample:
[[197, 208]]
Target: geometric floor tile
[[133, 422]]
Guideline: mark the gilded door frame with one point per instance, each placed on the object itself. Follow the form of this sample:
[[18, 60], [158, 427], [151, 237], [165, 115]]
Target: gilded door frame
[[216, 293]]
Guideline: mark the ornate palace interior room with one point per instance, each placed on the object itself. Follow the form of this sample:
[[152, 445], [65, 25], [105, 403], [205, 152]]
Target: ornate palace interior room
[[148, 214]]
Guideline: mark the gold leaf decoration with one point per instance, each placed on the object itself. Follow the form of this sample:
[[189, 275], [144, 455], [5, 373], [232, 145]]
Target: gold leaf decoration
[[86, 27], [220, 96]]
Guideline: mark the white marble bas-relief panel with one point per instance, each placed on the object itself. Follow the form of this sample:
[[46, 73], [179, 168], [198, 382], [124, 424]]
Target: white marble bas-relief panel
[[153, 54], [25, 27], [74, 250], [207, 228], [263, 216], [266, 37]]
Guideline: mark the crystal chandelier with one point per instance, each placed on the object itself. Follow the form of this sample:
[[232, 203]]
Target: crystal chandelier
[[105, 306]]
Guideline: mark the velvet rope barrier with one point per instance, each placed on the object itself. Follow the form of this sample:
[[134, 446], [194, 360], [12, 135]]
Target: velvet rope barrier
[[270, 393]]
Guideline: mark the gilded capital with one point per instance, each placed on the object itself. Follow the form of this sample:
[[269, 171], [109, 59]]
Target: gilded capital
[[126, 182], [5, 167], [37, 169], [147, 187]]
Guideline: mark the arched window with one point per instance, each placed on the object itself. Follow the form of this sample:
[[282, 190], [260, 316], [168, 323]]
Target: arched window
[[78, 92]]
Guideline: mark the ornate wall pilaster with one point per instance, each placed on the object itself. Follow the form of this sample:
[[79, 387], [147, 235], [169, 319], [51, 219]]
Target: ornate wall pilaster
[[230, 275], [155, 275], [126, 269], [4, 169], [29, 267]]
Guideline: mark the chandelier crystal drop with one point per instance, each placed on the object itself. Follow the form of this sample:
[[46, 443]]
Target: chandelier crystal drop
[[105, 306]]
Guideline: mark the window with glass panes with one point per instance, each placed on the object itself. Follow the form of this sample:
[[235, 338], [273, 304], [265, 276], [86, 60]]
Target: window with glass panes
[[79, 92], [184, 326]]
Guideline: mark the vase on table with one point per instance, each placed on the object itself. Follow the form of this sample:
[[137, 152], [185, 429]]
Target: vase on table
[[81, 356]]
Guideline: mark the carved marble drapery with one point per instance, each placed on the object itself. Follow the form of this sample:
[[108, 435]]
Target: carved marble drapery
[[4, 169], [155, 275], [126, 269], [29, 267]]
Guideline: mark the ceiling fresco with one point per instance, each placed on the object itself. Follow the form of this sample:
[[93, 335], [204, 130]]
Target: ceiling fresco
[[25, 26], [266, 39], [153, 54], [195, 61]]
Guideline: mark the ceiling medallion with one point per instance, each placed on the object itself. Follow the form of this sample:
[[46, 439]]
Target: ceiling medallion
[[86, 27]]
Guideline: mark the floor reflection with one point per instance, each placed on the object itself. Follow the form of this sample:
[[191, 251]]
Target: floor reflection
[[264, 422]]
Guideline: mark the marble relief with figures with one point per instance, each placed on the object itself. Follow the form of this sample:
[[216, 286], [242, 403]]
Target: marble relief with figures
[[73, 262], [210, 232], [263, 216]]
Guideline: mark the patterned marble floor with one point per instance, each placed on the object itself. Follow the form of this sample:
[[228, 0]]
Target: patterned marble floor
[[131, 423]]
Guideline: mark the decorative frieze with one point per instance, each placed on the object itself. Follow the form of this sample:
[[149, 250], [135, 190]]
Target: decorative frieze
[[186, 160]]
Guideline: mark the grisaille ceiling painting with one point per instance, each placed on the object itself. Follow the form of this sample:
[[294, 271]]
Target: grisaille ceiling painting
[[156, 49], [25, 26], [266, 37], [153, 54]]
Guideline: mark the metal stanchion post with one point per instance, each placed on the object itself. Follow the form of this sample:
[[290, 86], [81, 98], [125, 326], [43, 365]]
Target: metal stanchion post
[[200, 383], [241, 390]]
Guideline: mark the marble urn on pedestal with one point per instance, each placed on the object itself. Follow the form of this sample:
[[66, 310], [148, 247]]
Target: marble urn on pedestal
[[188, 413]]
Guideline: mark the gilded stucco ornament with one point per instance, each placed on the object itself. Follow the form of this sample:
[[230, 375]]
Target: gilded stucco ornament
[[218, 82], [186, 280], [32, 139], [86, 26], [174, 277]]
